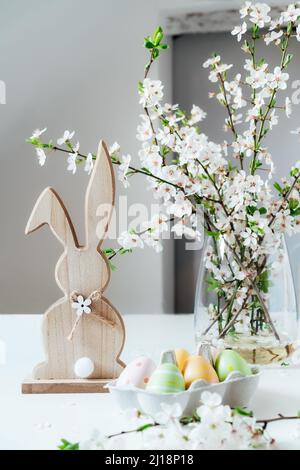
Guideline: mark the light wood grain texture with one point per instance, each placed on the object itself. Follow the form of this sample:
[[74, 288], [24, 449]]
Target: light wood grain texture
[[31, 386], [81, 269]]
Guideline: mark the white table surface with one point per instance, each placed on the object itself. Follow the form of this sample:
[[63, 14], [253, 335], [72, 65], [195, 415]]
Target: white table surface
[[40, 421]]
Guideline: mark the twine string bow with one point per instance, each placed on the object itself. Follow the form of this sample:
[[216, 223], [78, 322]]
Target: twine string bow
[[87, 310]]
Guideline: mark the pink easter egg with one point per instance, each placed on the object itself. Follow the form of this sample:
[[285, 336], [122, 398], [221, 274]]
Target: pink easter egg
[[137, 373]]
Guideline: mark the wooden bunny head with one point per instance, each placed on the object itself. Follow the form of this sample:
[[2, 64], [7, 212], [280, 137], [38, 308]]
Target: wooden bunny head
[[96, 330]]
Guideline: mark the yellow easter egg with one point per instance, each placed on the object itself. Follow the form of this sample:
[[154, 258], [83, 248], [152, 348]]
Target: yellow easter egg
[[196, 368], [181, 357]]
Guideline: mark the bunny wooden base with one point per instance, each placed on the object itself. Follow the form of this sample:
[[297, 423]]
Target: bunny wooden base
[[30, 386], [83, 325]]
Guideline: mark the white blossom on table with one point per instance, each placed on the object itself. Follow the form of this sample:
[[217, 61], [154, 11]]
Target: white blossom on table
[[212, 427]]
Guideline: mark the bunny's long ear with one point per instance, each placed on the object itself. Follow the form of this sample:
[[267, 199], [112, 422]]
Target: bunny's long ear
[[49, 209], [100, 198]]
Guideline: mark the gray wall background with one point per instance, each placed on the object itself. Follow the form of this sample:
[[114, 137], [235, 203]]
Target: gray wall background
[[191, 85]]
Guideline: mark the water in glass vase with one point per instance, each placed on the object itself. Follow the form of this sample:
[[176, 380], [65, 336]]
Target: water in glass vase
[[246, 306]]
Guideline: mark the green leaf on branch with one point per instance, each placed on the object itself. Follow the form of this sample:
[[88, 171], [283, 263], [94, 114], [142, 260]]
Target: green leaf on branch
[[109, 251], [293, 204], [154, 43], [112, 266], [155, 53], [278, 188], [296, 212], [289, 28], [185, 420], [255, 164], [242, 412], [158, 36], [145, 427], [213, 284], [216, 235], [66, 445], [251, 210], [288, 60], [140, 87], [255, 32], [148, 44], [264, 282], [294, 172]]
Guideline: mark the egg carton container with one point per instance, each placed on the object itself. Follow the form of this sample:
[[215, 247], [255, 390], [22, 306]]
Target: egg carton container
[[236, 391]]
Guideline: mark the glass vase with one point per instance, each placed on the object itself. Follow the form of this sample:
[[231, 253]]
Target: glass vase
[[257, 319]]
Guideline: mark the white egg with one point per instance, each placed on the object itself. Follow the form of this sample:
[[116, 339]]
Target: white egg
[[84, 367]]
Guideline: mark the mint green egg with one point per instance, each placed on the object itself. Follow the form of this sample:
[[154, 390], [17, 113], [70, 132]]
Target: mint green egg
[[230, 361], [167, 378]]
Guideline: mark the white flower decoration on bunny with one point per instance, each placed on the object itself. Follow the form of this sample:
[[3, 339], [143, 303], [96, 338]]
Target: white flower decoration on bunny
[[82, 305]]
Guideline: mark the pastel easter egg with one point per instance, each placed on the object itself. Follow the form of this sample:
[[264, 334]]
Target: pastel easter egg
[[84, 367], [166, 379], [137, 372], [197, 368], [181, 357], [230, 361]]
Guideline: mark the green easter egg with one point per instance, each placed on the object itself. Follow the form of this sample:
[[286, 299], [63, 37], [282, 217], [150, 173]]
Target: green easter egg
[[230, 361], [166, 379]]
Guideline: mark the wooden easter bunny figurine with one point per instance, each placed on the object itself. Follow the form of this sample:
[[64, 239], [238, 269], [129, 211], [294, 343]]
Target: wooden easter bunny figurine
[[83, 333]]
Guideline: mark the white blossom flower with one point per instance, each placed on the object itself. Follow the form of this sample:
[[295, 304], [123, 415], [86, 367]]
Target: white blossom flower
[[37, 133], [72, 159], [169, 108], [258, 77], [158, 224], [275, 24], [89, 164], [144, 130], [274, 37], [284, 221], [82, 305], [291, 14], [211, 400], [66, 137], [219, 69], [129, 240], [151, 158], [212, 62], [239, 31], [181, 229], [250, 238], [197, 115], [114, 150], [151, 93], [123, 170], [168, 413], [181, 206], [259, 14], [241, 295], [245, 10], [165, 136], [41, 155], [278, 79]]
